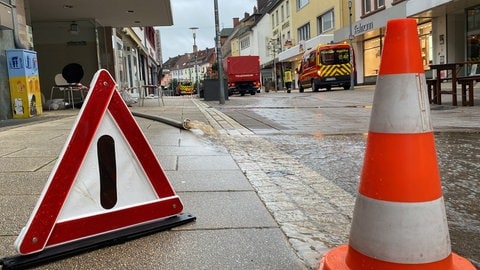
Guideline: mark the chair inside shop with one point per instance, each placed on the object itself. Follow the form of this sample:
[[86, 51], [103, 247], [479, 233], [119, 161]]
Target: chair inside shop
[[69, 83], [62, 85]]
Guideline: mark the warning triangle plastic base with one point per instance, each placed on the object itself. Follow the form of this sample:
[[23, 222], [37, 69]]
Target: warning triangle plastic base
[[81, 246]]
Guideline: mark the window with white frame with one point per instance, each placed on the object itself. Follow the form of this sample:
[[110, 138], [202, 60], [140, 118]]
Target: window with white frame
[[325, 22], [287, 8], [372, 5], [273, 20], [245, 43], [283, 13], [303, 32], [367, 6], [301, 3]]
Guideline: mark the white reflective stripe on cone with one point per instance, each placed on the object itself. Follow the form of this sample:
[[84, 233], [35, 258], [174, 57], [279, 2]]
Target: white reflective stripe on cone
[[401, 104], [406, 233]]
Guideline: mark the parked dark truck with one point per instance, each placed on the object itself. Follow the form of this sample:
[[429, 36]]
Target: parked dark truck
[[243, 74]]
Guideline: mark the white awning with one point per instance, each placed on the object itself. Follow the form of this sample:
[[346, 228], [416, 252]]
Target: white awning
[[298, 50]]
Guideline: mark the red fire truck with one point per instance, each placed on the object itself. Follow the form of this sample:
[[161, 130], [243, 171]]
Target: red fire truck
[[243, 74], [326, 66]]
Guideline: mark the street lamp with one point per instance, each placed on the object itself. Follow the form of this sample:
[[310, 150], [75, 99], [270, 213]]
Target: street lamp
[[350, 38], [195, 55], [273, 47]]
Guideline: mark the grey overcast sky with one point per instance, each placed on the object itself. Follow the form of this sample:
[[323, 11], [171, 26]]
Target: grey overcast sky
[[178, 39]]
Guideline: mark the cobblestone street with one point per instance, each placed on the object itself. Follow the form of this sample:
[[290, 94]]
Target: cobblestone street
[[308, 179], [313, 212]]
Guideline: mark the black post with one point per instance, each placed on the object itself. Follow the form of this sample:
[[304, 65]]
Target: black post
[[219, 54]]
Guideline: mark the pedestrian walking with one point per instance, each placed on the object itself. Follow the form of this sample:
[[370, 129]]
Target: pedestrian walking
[[287, 77]]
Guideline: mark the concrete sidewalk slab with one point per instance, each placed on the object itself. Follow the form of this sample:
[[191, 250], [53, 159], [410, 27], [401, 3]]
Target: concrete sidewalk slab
[[202, 249], [234, 230], [192, 181]]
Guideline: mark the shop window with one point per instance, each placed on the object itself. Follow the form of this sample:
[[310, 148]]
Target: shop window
[[372, 56], [473, 47], [473, 34], [425, 36]]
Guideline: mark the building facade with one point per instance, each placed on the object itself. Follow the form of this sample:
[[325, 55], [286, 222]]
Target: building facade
[[296, 26], [182, 68], [448, 31]]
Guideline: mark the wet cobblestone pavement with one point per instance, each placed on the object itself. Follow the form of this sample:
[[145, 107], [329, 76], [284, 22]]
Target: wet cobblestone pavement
[[304, 160], [457, 153], [313, 211]]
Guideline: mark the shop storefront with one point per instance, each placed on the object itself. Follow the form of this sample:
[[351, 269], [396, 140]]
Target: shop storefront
[[440, 28], [373, 43]]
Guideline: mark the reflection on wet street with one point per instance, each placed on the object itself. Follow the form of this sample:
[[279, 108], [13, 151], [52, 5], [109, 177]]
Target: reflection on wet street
[[339, 158], [459, 161]]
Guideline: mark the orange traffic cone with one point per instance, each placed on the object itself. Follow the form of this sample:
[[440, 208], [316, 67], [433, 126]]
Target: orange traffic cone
[[399, 220]]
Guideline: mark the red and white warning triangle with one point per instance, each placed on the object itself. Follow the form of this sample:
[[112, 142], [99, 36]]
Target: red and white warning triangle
[[107, 177]]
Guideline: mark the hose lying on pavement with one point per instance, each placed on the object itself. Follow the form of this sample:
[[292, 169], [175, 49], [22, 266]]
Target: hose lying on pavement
[[178, 124]]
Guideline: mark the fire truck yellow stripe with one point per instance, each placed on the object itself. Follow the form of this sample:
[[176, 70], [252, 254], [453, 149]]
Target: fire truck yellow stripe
[[335, 70]]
